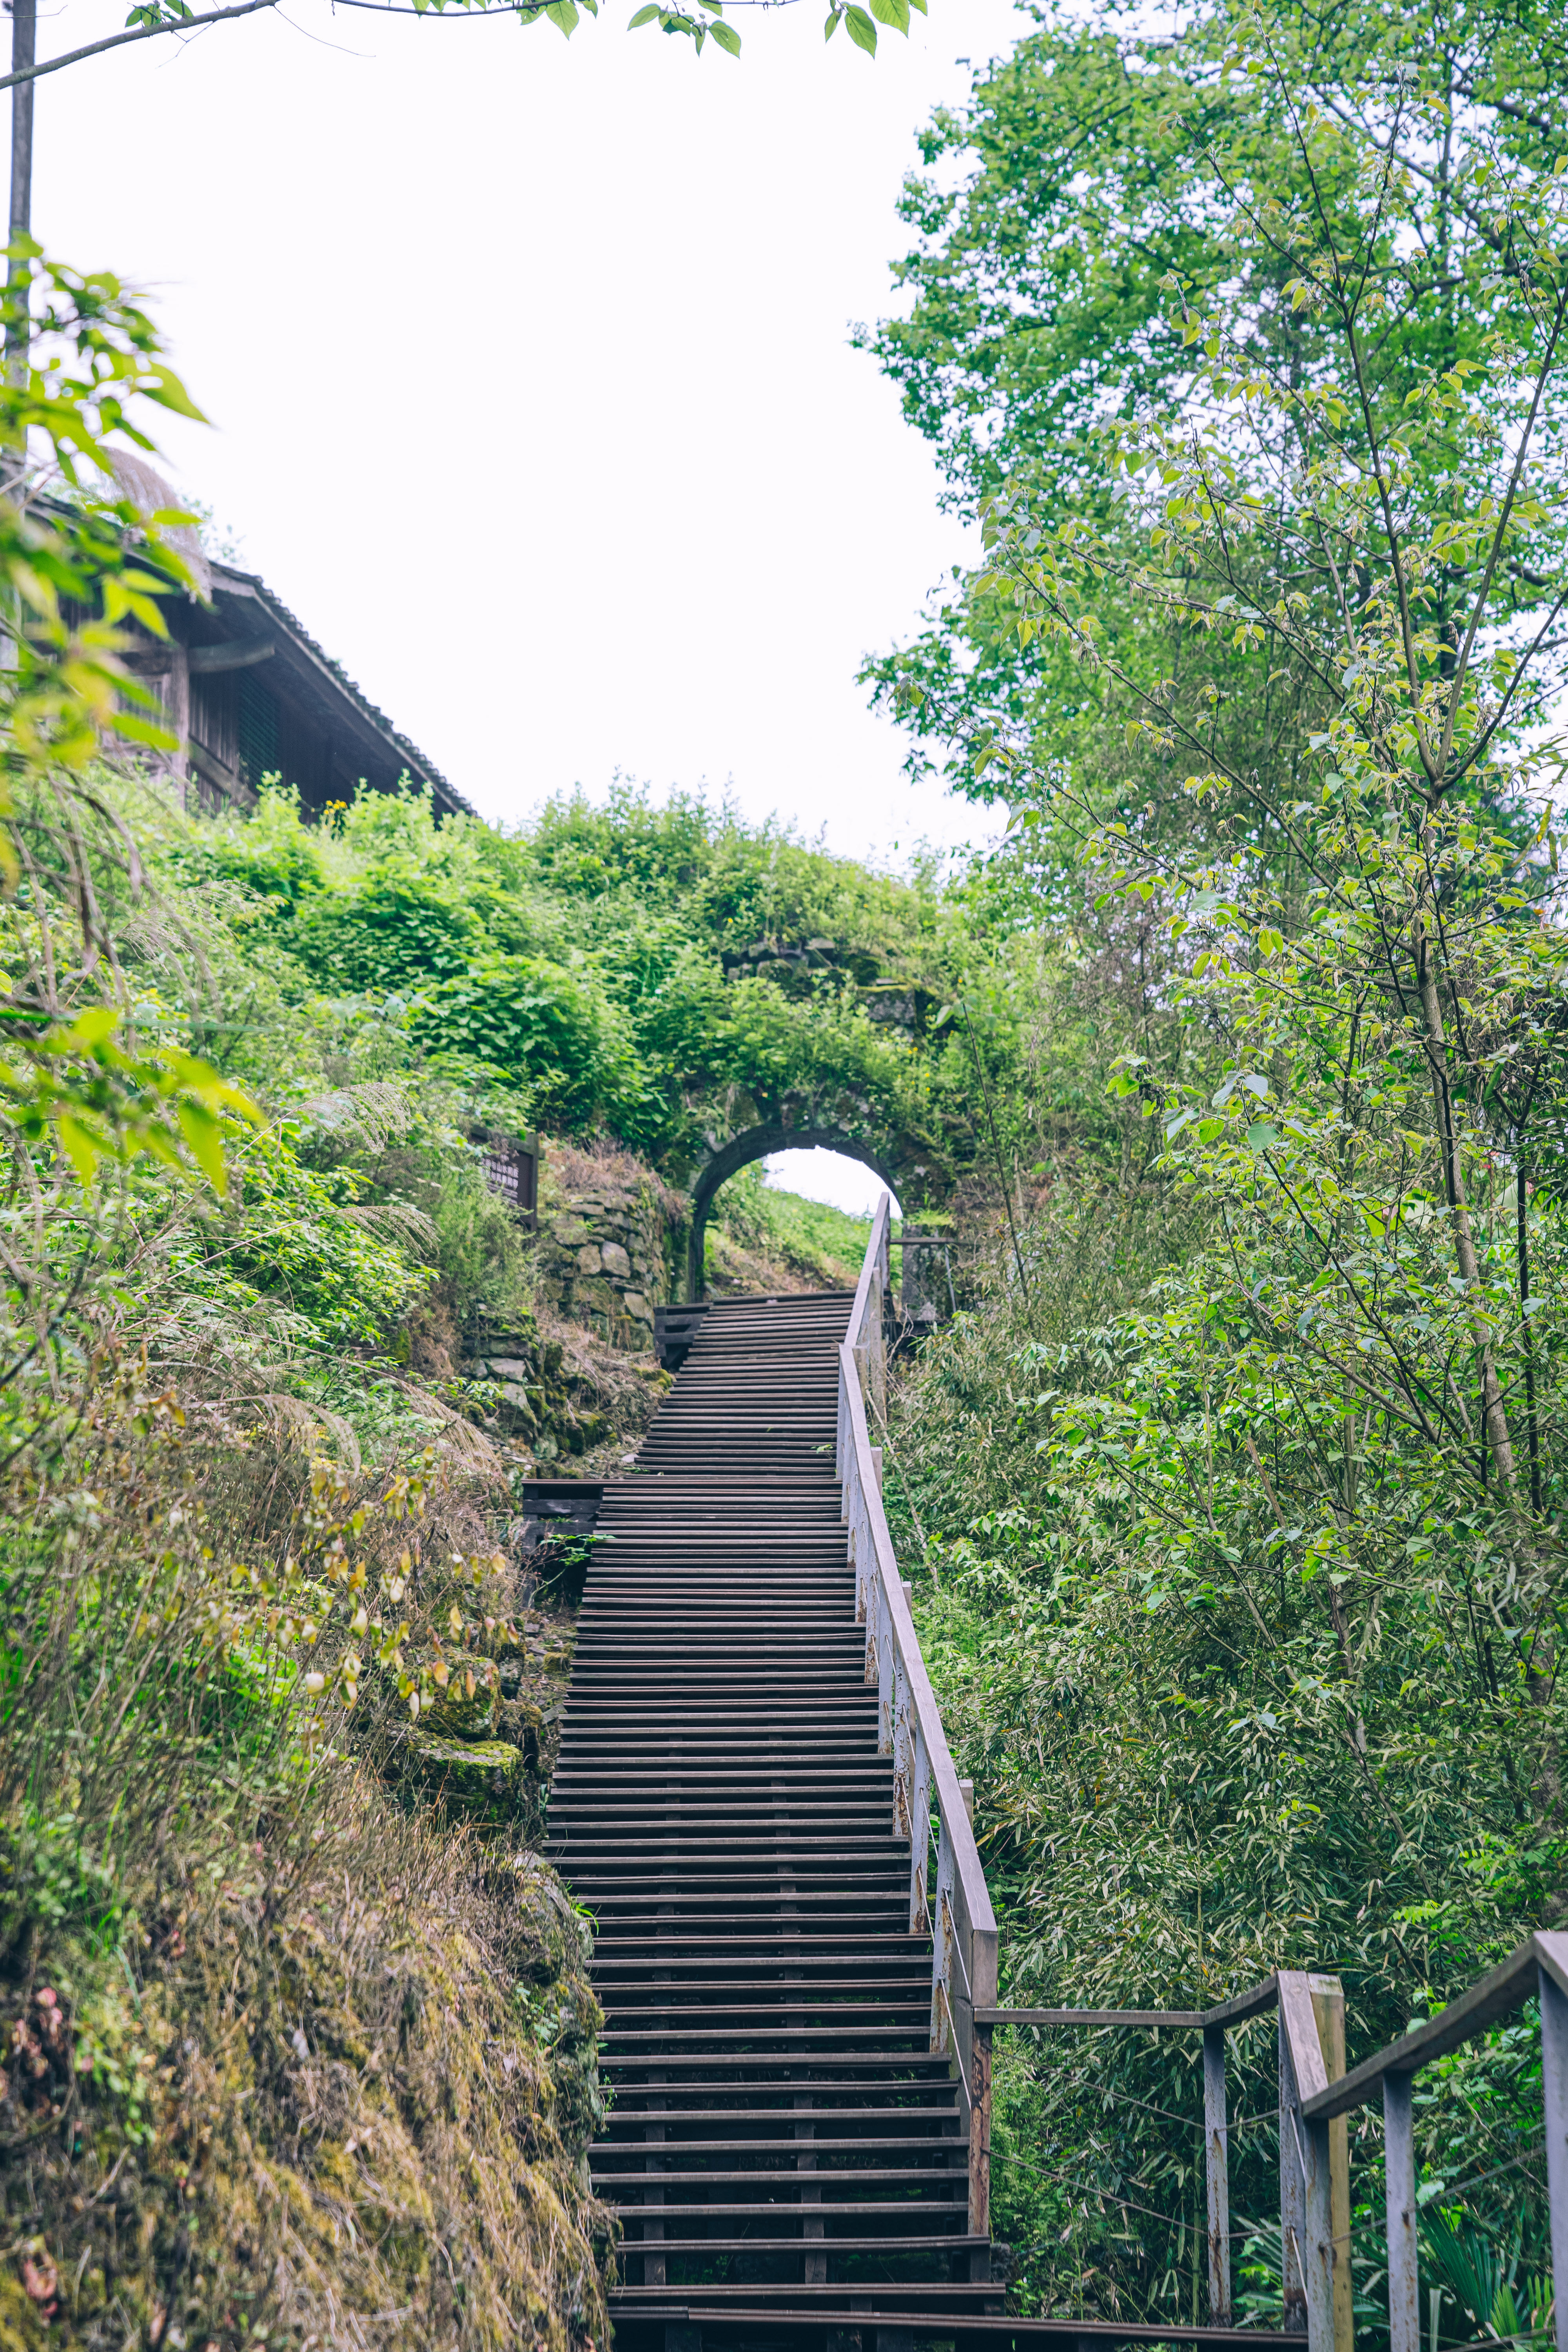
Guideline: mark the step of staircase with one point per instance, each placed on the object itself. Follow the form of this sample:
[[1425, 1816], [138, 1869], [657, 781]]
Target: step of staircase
[[787, 2155]]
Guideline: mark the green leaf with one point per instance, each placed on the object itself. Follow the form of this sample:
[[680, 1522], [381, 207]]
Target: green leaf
[[166, 389], [644, 17], [203, 1132], [832, 25], [92, 1024], [564, 14], [79, 1148], [727, 38], [862, 31], [892, 12], [1261, 1136]]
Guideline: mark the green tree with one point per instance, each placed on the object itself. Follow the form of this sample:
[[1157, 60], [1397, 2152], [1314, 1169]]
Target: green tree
[[1255, 1650], [1106, 160]]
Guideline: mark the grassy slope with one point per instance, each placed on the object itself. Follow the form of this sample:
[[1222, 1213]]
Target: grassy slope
[[765, 1238]]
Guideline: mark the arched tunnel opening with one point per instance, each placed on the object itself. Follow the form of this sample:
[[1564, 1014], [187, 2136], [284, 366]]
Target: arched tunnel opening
[[797, 1219], [802, 1196]]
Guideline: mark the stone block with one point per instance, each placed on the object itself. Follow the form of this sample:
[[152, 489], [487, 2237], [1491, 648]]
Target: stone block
[[569, 1231], [483, 1778], [590, 1260], [515, 1412], [637, 1306], [616, 1260]]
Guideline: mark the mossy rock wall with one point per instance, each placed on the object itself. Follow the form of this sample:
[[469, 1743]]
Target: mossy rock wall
[[605, 1254], [346, 2100]]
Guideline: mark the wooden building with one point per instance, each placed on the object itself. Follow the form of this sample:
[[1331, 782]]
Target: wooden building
[[250, 695]]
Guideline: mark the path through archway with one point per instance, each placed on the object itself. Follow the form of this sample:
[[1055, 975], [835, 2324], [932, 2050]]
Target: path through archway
[[761, 1143]]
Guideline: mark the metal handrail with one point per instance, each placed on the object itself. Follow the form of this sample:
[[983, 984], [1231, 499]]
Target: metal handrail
[[909, 1728]]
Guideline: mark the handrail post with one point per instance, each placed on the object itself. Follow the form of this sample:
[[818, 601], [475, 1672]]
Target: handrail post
[[942, 1940], [979, 2133], [903, 1753], [1328, 2009], [842, 1452], [919, 1836], [1216, 2164], [1555, 2086], [1399, 2172], [1314, 2169], [1293, 2152]]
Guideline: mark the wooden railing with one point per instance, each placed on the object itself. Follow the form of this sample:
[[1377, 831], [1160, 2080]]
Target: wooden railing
[[1316, 2095], [1314, 2196], [925, 1786], [1539, 1967]]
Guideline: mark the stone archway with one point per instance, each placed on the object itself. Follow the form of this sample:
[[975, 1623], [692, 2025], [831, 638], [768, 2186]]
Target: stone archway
[[756, 1143]]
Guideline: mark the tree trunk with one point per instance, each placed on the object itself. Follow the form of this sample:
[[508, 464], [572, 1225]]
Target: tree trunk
[[1493, 1414]]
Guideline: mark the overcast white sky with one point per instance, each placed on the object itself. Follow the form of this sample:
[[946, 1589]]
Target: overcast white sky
[[529, 373]]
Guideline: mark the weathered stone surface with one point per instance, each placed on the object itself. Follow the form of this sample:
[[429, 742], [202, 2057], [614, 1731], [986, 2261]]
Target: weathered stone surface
[[510, 1368], [515, 1412], [592, 1243], [483, 1778]]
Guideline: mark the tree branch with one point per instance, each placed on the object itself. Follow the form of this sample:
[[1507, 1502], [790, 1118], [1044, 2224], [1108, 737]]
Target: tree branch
[[139, 32]]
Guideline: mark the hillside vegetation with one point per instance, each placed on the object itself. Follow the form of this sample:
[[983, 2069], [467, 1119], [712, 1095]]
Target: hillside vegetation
[[1239, 1493], [299, 2028], [1232, 1495]]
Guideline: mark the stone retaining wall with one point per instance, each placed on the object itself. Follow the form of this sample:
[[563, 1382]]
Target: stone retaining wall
[[605, 1256]]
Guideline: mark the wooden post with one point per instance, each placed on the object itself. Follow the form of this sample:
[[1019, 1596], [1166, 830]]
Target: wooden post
[[1399, 2171], [1554, 2085], [873, 1613], [1328, 2009], [919, 1835], [942, 1939], [177, 715], [1216, 2164], [979, 2133], [1292, 2182], [903, 1752]]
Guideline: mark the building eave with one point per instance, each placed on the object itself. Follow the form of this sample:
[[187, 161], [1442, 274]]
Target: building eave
[[334, 684]]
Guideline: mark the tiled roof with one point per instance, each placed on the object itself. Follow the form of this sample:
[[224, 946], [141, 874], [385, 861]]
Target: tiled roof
[[421, 770]]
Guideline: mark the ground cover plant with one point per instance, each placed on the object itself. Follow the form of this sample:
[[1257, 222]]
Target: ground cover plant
[[280, 2051]]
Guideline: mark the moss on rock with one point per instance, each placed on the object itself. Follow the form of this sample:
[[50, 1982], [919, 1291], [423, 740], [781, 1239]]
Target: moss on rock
[[344, 2098]]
